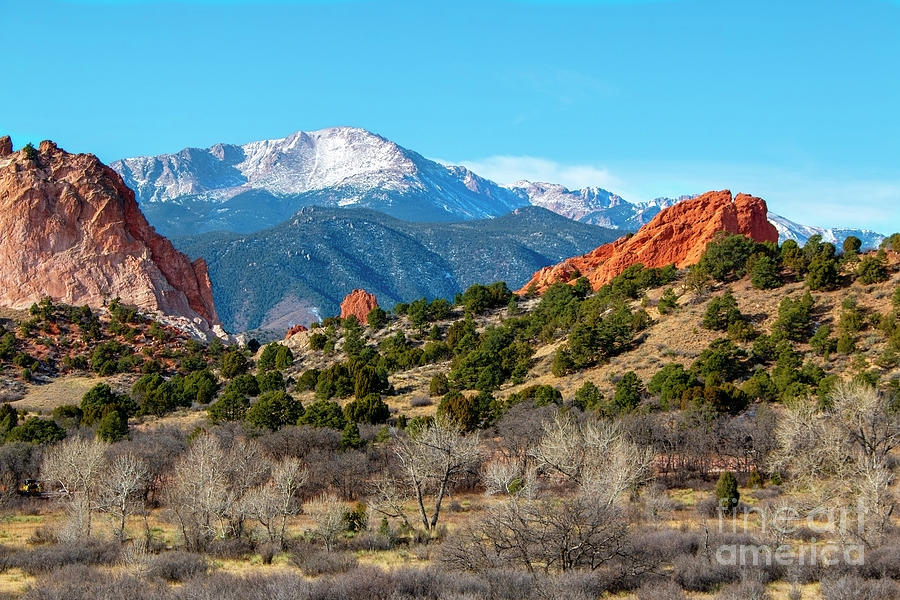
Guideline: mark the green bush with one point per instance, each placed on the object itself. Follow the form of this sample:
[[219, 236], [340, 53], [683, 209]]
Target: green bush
[[539, 395], [852, 245], [234, 363], [628, 394], [308, 380], [377, 318], [721, 360], [273, 410], [100, 399], [667, 302], [764, 272], [270, 381], [36, 431], [439, 385], [370, 409], [231, 406], [871, 270], [324, 413], [722, 312], [727, 492], [726, 257], [112, 427], [670, 383], [794, 318], [461, 409], [245, 384], [588, 397]]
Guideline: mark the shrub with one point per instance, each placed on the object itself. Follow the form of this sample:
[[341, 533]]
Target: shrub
[[45, 559], [721, 359], [871, 270], [822, 273], [670, 383], [539, 395], [234, 363], [231, 406], [270, 381], [660, 590], [726, 256], [36, 431], [274, 410], [308, 380], [698, 574], [112, 427], [370, 409], [176, 566], [470, 412], [628, 394], [667, 302], [588, 397], [316, 563], [794, 318], [764, 272], [727, 492], [745, 590], [377, 318], [439, 385], [324, 413], [722, 312], [317, 341]]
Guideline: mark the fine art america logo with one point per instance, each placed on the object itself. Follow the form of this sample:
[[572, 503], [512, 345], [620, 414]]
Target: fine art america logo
[[819, 527]]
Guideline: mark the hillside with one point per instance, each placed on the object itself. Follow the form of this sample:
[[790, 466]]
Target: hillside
[[299, 271]]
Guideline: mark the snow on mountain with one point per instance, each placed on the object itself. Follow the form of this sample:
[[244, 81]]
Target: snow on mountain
[[248, 187], [591, 204], [788, 230]]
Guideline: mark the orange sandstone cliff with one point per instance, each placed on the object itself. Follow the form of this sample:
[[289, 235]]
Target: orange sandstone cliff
[[72, 230], [358, 303], [677, 235]]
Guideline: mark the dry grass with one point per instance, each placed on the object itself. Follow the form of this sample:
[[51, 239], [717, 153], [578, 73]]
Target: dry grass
[[63, 390]]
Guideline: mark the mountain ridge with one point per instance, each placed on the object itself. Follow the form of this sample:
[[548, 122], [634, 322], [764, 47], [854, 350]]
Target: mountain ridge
[[250, 187], [299, 271]]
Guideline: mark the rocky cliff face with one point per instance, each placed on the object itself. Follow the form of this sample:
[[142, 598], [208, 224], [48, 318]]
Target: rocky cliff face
[[677, 235], [73, 231], [358, 303]]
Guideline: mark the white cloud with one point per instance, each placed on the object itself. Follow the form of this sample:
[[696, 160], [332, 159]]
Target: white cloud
[[509, 169]]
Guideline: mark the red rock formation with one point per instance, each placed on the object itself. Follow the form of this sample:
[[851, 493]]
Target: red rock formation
[[294, 331], [358, 303], [5, 146], [678, 234], [73, 231]]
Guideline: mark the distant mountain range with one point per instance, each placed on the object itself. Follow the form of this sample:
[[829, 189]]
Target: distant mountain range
[[254, 186], [261, 184], [788, 230], [299, 271]]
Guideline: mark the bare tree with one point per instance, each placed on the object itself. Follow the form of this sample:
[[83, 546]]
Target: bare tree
[[328, 513], [123, 489], [595, 455], [74, 468], [273, 503], [841, 455], [197, 493], [431, 460]]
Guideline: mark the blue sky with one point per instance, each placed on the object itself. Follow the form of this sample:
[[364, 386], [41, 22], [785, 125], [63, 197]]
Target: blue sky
[[794, 101]]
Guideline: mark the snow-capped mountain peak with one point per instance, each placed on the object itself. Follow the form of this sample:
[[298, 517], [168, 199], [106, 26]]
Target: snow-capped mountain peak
[[339, 166]]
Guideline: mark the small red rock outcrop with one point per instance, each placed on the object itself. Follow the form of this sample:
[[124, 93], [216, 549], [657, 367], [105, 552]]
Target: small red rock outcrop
[[73, 231], [294, 331], [677, 235], [358, 303]]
